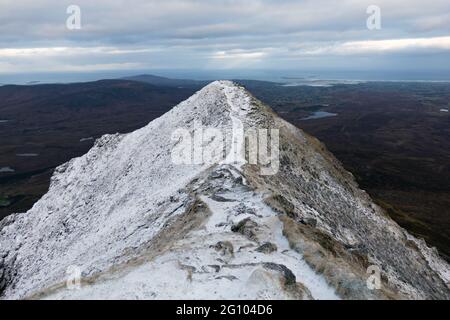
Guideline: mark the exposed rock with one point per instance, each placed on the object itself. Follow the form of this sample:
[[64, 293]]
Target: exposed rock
[[225, 248], [267, 247], [281, 204], [245, 210], [231, 278], [247, 228], [309, 222], [289, 277], [2, 276], [216, 197], [215, 267], [142, 226], [345, 269]]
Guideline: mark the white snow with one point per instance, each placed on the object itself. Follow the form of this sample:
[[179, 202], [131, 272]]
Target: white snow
[[241, 275], [239, 104], [108, 202], [272, 232], [432, 257], [105, 209], [102, 208]]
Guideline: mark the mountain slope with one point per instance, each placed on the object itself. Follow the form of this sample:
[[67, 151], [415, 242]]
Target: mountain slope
[[58, 122], [140, 226]]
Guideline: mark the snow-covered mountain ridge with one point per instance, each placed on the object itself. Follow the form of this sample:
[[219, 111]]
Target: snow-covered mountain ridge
[[138, 225]]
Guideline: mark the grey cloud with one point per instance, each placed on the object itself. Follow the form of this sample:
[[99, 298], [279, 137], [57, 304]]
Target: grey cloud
[[198, 33]]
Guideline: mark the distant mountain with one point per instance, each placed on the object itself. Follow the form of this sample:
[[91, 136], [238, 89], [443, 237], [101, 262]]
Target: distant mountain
[[162, 81], [79, 95], [132, 223]]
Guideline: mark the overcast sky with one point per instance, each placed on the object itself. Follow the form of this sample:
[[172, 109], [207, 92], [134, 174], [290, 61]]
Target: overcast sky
[[223, 35]]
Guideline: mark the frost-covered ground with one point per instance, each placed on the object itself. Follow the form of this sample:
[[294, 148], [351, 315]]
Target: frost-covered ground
[[139, 225], [212, 261], [102, 208]]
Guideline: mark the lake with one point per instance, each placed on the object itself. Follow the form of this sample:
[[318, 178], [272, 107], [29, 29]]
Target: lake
[[320, 114]]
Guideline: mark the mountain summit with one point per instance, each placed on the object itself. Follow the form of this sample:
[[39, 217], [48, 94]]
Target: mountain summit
[[191, 207]]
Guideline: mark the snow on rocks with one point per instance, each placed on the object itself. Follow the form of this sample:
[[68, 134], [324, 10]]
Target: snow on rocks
[[139, 226], [214, 262]]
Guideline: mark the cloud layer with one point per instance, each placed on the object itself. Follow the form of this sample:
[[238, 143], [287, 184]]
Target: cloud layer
[[222, 34]]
